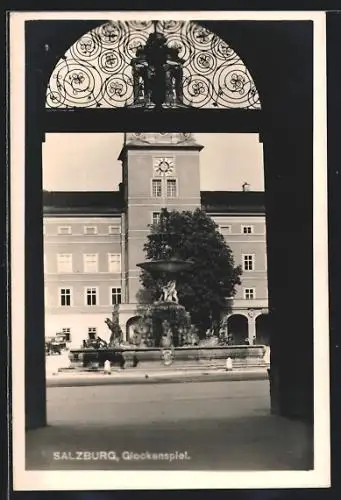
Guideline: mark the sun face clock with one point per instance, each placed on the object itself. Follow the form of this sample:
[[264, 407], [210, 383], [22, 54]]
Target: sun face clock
[[163, 166]]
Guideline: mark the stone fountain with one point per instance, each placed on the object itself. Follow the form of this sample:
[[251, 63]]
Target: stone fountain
[[168, 328], [166, 311]]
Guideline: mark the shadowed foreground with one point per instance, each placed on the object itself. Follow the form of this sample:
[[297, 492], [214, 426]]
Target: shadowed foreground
[[221, 425]]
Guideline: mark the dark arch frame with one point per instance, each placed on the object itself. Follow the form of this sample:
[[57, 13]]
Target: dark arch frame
[[282, 71]]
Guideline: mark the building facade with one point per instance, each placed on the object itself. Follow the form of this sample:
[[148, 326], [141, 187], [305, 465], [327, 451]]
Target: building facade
[[93, 241]]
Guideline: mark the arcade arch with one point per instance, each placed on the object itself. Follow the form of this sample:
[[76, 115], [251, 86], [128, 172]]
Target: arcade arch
[[237, 327]]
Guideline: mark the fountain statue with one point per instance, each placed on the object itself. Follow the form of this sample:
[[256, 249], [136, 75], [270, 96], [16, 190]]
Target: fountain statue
[[114, 327], [168, 315], [167, 334], [169, 293]]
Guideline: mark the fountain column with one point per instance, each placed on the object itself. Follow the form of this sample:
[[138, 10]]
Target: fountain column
[[168, 304]]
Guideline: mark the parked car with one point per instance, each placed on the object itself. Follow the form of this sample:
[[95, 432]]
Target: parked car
[[61, 339], [54, 345]]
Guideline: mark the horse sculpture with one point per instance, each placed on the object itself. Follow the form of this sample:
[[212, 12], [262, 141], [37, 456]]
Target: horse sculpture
[[169, 293], [114, 327]]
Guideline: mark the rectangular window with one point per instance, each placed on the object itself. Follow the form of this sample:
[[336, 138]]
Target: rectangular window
[[156, 188], [171, 188], [249, 293], [225, 229], [114, 262], [114, 230], [156, 217], [248, 262], [92, 332], [64, 229], [116, 296], [91, 296], [90, 230], [90, 262], [64, 263], [247, 229], [65, 297], [67, 333]]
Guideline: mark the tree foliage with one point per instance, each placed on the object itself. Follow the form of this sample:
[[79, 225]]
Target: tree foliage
[[213, 277]]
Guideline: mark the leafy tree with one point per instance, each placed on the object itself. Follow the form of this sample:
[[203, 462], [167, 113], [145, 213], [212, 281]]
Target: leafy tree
[[204, 287]]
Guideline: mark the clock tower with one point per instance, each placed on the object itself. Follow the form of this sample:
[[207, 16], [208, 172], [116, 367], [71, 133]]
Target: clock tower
[[159, 170]]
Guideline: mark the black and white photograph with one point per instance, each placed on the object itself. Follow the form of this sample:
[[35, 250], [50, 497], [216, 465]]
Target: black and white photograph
[[169, 271]]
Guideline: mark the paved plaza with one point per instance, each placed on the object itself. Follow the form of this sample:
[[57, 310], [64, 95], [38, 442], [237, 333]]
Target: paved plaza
[[221, 425]]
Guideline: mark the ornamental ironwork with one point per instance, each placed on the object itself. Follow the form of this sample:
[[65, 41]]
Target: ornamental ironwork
[[111, 67]]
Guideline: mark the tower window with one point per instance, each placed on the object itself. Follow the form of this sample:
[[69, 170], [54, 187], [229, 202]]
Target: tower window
[[156, 188], [171, 188], [247, 229]]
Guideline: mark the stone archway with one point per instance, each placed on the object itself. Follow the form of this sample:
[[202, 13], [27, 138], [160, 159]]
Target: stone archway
[[286, 130], [263, 331], [237, 327]]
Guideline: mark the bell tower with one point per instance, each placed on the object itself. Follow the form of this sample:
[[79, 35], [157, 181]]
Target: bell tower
[[159, 170]]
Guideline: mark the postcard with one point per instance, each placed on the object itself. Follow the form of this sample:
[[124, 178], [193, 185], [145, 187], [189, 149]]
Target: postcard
[[169, 283]]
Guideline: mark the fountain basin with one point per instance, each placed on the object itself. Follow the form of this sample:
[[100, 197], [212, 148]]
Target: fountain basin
[[242, 356]]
